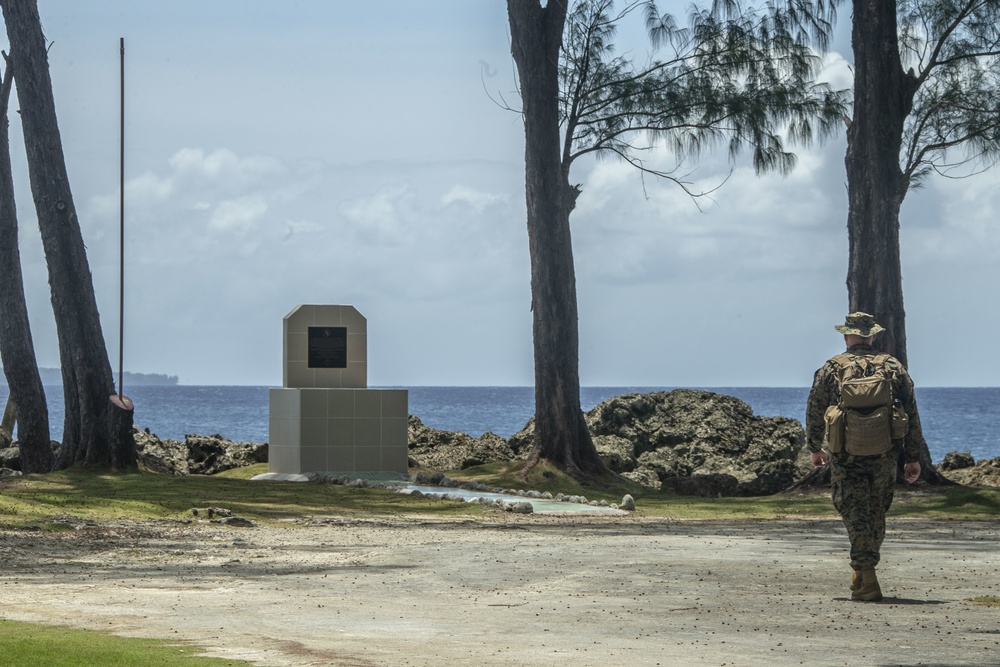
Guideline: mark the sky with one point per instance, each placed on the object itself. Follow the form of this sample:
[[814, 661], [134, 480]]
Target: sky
[[335, 152]]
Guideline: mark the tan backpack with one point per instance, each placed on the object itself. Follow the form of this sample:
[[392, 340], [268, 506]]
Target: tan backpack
[[866, 419]]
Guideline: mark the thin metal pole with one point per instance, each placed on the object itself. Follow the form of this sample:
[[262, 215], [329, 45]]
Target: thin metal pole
[[121, 234]]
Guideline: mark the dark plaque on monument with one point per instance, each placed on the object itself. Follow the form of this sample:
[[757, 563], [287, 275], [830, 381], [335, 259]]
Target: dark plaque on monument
[[327, 347]]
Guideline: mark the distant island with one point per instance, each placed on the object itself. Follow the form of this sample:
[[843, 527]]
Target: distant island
[[53, 376]]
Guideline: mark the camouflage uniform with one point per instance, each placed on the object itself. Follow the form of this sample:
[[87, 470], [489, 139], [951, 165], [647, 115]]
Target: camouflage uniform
[[863, 485]]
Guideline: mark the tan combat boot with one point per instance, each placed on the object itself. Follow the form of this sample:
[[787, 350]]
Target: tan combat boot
[[869, 591], [855, 580]]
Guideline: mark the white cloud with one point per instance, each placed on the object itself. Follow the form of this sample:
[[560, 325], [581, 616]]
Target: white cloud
[[380, 218], [836, 71], [953, 221], [237, 215], [633, 232], [475, 199], [223, 165], [267, 178]]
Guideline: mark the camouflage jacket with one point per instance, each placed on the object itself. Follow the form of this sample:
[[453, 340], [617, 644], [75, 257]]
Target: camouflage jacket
[[825, 393]]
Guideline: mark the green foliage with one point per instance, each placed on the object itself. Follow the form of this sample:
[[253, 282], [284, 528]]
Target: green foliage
[[36, 645], [951, 49], [735, 75]]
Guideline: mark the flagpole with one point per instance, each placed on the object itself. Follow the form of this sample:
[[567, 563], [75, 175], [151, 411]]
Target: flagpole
[[121, 234]]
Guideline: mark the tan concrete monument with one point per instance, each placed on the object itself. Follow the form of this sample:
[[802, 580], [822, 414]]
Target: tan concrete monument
[[324, 418]]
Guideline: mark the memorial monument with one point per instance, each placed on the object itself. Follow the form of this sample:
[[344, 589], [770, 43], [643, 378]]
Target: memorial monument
[[324, 418]]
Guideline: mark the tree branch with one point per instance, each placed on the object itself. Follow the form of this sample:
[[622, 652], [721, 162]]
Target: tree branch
[[940, 44]]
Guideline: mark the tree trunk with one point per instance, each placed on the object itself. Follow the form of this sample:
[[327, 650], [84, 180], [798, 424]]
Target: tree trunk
[[875, 183], [561, 434], [16, 347], [120, 421], [86, 371], [876, 186]]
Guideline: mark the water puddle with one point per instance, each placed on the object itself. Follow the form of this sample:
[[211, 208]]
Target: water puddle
[[539, 505]]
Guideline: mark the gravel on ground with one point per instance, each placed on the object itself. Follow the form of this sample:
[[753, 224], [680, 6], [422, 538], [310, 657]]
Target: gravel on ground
[[518, 590]]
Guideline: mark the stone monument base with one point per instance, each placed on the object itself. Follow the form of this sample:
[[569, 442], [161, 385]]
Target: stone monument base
[[338, 430]]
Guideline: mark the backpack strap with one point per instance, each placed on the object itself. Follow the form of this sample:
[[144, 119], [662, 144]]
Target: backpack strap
[[880, 361], [844, 360], [848, 363]]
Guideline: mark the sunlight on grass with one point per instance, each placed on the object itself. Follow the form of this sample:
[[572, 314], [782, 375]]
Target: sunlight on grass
[[101, 496], [36, 645], [987, 601], [96, 496]]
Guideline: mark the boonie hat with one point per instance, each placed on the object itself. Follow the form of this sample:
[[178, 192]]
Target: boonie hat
[[859, 324]]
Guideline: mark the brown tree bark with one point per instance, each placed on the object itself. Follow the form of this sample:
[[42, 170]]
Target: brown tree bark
[[121, 415], [86, 371], [883, 96], [876, 185], [16, 347], [561, 434]]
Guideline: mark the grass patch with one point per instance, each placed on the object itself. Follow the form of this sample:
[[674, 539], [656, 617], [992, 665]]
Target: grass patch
[[953, 502], [546, 477], [42, 500], [987, 601], [780, 506], [950, 502], [36, 645]]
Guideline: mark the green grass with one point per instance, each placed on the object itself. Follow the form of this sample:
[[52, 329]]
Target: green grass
[[949, 503], [987, 601], [36, 645], [954, 502], [42, 500], [944, 503], [544, 477]]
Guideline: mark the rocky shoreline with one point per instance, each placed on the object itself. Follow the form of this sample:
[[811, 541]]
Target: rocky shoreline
[[690, 442]]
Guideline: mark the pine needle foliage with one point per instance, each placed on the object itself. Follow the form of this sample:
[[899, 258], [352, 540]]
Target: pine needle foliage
[[735, 75], [951, 49]]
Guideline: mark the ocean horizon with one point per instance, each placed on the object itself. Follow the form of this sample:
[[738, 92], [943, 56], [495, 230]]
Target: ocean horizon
[[965, 419]]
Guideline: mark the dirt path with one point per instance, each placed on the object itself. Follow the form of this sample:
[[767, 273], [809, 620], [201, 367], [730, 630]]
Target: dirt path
[[519, 591]]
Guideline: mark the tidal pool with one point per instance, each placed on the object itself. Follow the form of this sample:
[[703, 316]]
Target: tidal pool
[[539, 505]]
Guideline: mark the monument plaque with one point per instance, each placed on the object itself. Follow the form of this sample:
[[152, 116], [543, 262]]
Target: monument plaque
[[324, 418], [327, 347]]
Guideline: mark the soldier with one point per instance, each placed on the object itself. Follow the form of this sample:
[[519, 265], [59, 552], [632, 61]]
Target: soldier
[[863, 444]]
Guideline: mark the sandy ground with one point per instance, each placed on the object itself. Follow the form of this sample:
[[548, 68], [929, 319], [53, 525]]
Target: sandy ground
[[518, 590]]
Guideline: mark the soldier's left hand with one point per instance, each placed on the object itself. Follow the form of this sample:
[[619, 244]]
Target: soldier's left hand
[[911, 472]]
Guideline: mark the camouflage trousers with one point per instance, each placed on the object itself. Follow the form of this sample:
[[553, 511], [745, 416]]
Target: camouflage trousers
[[862, 493]]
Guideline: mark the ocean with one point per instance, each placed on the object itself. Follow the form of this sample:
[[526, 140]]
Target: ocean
[[953, 418]]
